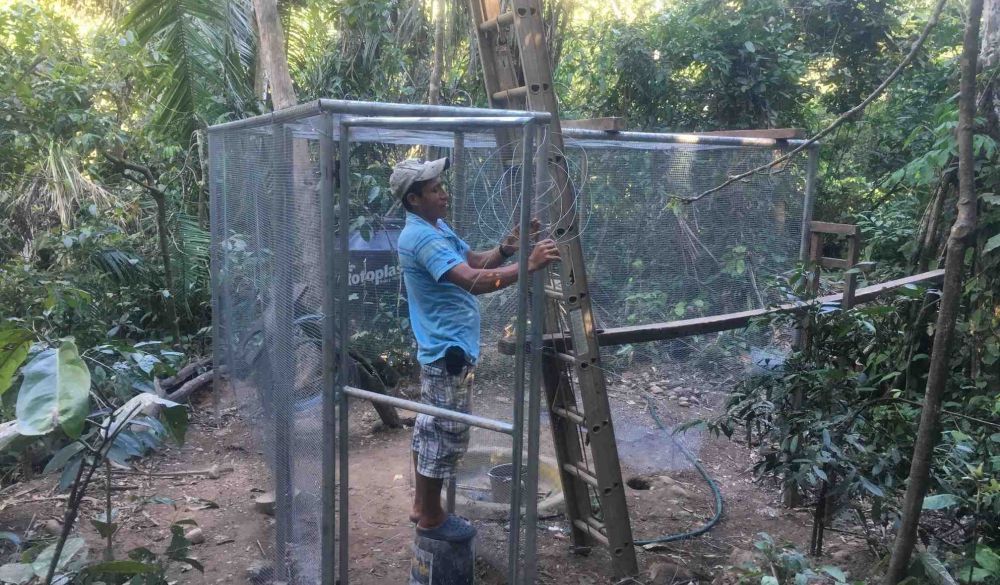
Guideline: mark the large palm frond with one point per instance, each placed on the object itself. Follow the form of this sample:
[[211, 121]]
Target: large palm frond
[[192, 244], [313, 55], [58, 185], [203, 48]]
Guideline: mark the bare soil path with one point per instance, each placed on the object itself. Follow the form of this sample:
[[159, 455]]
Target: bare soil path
[[238, 538]]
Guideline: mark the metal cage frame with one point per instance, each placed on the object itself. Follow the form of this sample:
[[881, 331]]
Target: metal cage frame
[[349, 115]]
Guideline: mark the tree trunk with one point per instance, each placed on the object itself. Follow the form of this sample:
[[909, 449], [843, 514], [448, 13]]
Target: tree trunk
[[271, 47], [931, 237], [434, 86], [962, 232], [168, 277], [434, 89], [307, 221], [989, 58]]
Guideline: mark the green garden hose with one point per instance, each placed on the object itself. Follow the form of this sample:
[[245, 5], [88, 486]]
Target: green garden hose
[[704, 474]]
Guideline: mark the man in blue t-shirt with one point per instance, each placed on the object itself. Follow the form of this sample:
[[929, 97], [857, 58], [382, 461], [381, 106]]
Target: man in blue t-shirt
[[442, 275]]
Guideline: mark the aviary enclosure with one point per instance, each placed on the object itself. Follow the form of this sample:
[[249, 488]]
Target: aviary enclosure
[[308, 301]]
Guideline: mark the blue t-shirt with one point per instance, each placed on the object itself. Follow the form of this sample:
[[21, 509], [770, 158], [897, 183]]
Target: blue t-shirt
[[441, 314]]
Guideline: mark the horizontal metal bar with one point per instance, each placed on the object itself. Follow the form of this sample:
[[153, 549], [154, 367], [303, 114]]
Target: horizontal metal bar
[[438, 123], [670, 137], [354, 108], [423, 110], [469, 419], [286, 115]]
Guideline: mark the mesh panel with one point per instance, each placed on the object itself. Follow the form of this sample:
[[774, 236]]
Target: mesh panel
[[650, 258]]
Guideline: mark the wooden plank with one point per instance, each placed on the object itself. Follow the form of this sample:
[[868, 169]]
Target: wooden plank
[[823, 227], [851, 282], [773, 133], [612, 124], [834, 263], [716, 323], [674, 329]]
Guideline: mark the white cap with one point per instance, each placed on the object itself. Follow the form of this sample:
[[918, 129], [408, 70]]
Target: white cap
[[413, 170]]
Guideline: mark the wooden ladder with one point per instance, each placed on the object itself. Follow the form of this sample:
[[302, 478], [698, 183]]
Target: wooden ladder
[[518, 75]]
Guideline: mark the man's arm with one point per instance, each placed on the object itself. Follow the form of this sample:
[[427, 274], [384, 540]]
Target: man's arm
[[502, 252], [484, 280], [489, 259]]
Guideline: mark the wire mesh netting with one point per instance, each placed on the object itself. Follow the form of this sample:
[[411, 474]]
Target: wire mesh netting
[[651, 257]]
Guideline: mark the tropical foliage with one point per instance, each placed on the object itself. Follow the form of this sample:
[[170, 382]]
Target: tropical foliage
[[104, 192]]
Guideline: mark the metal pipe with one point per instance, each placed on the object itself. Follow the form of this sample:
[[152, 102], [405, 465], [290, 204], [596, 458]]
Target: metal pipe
[[215, 186], [386, 109], [328, 276], [344, 213], [441, 123], [696, 139], [514, 545], [286, 115], [535, 381], [280, 348], [358, 108], [809, 202], [469, 419], [458, 164], [227, 289]]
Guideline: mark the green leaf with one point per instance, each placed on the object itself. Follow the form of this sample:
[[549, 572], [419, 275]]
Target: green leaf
[[103, 528], [137, 406], [62, 457], [194, 563], [750, 47], [872, 488], [55, 393], [68, 475], [179, 544], [992, 244], [979, 575], [836, 572], [176, 421], [9, 435], [16, 573], [122, 568], [940, 501], [768, 580], [988, 559], [14, 346], [991, 198], [44, 559], [935, 570]]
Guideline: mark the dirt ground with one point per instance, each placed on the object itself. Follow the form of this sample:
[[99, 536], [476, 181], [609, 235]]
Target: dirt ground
[[238, 538]]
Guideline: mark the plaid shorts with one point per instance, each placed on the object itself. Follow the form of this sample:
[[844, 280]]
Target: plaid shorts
[[438, 442]]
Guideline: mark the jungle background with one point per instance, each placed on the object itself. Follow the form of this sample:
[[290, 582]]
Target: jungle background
[[104, 280]]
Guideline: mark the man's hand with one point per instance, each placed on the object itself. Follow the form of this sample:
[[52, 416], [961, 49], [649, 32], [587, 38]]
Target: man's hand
[[542, 254], [509, 245]]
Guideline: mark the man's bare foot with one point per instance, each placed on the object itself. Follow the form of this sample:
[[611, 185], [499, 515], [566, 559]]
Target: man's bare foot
[[415, 516]]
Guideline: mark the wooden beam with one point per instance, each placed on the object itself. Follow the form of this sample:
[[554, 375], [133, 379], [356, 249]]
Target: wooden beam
[[834, 263], [773, 133], [717, 323], [614, 124], [824, 227]]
